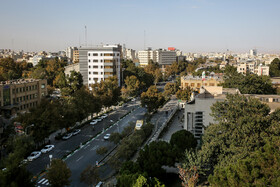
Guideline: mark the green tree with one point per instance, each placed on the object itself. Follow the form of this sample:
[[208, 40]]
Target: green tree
[[274, 68], [170, 89], [154, 156], [132, 85], [90, 175], [152, 99], [102, 150], [115, 137], [58, 174], [184, 94], [182, 140]]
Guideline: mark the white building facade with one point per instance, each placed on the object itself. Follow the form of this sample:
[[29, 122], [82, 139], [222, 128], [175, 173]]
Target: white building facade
[[99, 63], [161, 56]]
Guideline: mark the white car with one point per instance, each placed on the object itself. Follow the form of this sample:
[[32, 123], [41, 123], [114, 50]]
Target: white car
[[47, 148], [67, 136], [34, 155], [111, 121], [76, 131], [93, 122], [104, 116], [99, 119], [107, 136]]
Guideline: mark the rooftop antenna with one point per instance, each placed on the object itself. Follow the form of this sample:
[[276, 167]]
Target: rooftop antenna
[[85, 35], [144, 39]]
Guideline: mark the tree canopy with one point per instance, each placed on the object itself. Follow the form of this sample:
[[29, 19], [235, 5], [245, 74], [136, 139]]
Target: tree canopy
[[274, 68], [152, 99], [58, 174]]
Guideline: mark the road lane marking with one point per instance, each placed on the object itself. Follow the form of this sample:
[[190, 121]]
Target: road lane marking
[[95, 147], [41, 180], [86, 146], [45, 181], [79, 158]]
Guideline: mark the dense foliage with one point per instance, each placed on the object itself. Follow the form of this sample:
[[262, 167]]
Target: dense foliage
[[152, 99], [241, 147], [249, 84], [274, 68], [59, 174]]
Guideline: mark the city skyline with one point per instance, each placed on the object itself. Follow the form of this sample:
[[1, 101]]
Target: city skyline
[[191, 26]]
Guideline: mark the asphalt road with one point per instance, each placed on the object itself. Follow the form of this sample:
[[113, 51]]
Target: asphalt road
[[63, 147], [86, 155]]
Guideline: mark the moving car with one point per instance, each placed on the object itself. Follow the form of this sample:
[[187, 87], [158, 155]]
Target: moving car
[[34, 155], [76, 131], [107, 136], [67, 136], [111, 121], [47, 148]]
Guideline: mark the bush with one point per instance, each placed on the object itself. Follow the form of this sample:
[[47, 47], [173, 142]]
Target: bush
[[102, 150]]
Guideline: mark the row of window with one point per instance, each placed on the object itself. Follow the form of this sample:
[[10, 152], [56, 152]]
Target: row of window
[[105, 61], [101, 67], [103, 54], [198, 85], [25, 89], [94, 73], [23, 98], [28, 105]]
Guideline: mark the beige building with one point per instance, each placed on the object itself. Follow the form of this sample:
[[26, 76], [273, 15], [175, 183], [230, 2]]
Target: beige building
[[71, 67], [21, 94], [253, 68], [196, 83], [75, 55]]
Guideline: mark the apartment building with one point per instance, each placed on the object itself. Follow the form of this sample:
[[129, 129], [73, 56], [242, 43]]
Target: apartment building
[[161, 56], [130, 54], [196, 83], [75, 55], [99, 63], [21, 94], [253, 68]]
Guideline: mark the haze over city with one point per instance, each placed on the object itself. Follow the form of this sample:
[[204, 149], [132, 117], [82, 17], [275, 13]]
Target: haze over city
[[191, 25]]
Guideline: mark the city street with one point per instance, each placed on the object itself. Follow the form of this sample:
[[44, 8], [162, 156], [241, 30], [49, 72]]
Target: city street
[[86, 155]]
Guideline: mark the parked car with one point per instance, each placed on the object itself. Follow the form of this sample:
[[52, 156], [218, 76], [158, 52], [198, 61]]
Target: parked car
[[111, 121], [99, 119], [67, 136], [47, 148], [104, 116], [107, 136], [93, 122], [76, 131], [99, 184], [34, 155]]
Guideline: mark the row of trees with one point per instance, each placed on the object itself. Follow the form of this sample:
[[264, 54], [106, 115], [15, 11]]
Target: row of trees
[[241, 148], [249, 84], [155, 155]]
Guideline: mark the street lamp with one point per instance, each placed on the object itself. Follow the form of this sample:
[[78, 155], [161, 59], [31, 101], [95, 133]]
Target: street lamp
[[26, 128]]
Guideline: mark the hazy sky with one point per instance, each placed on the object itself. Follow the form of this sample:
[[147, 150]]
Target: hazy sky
[[189, 25]]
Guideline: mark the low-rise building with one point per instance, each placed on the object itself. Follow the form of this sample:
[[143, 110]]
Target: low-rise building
[[196, 83], [253, 68], [71, 67], [198, 110], [21, 94]]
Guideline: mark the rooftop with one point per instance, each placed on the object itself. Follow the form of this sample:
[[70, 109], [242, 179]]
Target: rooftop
[[18, 81]]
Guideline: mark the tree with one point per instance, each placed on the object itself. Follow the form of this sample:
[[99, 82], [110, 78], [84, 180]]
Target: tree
[[90, 175], [107, 91], [170, 89], [182, 140], [102, 150], [152, 99], [249, 84], [132, 85], [154, 156], [115, 137], [58, 174], [274, 68], [184, 94]]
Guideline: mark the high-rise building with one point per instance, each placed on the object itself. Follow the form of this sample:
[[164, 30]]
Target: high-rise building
[[99, 63], [161, 56]]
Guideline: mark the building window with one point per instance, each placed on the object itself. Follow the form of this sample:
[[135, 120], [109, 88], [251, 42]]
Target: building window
[[42, 86], [88, 60], [108, 54], [95, 67], [89, 66], [95, 73], [192, 84], [95, 60], [94, 54], [89, 54], [89, 72], [26, 88], [89, 79], [198, 85], [101, 60]]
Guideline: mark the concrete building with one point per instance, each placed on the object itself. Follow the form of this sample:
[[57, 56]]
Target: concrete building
[[161, 56], [99, 63], [21, 94], [76, 55], [198, 110], [253, 68], [71, 67], [196, 83], [130, 54], [69, 52], [253, 52]]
